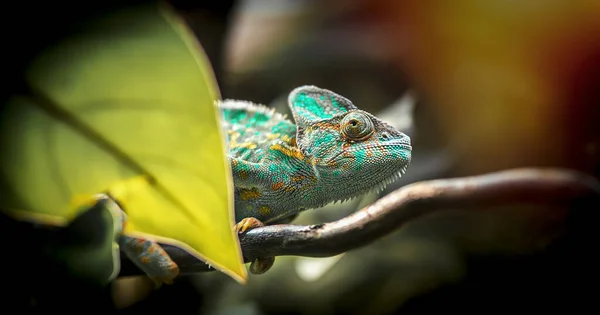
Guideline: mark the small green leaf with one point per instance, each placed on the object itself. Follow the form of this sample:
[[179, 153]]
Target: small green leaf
[[125, 105]]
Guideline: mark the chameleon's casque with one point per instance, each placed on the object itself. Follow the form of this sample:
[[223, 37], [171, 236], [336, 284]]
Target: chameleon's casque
[[334, 151]]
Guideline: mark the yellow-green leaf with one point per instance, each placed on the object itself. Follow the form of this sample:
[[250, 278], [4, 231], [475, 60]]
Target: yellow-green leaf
[[125, 105]]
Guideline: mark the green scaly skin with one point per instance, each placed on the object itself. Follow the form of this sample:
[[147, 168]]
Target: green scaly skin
[[333, 152]]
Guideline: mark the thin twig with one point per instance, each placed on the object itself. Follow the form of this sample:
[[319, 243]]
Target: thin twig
[[526, 185]]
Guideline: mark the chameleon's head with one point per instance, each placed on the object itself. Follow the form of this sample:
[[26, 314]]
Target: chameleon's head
[[348, 147]]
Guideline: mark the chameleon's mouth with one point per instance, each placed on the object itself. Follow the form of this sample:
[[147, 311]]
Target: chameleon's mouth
[[391, 144]]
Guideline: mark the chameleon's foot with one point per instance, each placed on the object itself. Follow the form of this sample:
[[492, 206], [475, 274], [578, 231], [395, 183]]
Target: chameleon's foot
[[247, 224], [259, 265], [159, 281], [151, 258]]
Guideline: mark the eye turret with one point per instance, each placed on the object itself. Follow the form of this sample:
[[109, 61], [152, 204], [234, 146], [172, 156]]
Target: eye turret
[[356, 126]]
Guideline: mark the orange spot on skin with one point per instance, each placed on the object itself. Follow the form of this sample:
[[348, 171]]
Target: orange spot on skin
[[290, 188], [326, 125], [264, 210], [242, 174], [247, 194], [289, 140], [291, 152], [277, 185], [298, 178], [151, 250], [308, 184], [145, 260], [234, 162]]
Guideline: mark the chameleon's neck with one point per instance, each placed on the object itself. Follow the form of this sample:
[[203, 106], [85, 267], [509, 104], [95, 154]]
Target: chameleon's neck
[[332, 184], [323, 186]]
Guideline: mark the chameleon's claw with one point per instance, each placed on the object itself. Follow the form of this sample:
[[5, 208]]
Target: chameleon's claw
[[247, 224], [159, 281], [261, 265], [172, 273]]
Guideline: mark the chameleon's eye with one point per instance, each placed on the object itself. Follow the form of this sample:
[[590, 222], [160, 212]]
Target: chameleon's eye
[[357, 126]]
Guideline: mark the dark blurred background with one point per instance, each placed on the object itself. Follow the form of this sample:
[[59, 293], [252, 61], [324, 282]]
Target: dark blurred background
[[479, 86]]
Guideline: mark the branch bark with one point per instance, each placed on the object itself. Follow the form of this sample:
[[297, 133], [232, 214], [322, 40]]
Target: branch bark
[[516, 186]]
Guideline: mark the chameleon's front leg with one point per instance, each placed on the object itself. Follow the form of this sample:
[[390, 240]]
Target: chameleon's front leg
[[150, 257], [259, 265]]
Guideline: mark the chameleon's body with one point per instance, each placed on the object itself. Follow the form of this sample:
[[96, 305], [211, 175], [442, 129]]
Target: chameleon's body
[[334, 151]]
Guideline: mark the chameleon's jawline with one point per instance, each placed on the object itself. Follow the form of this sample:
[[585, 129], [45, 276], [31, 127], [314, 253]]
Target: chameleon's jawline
[[376, 188], [401, 145]]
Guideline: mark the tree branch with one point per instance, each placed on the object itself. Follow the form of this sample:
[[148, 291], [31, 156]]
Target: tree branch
[[525, 185]]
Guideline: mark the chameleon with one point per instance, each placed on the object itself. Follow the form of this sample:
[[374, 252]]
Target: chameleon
[[331, 151]]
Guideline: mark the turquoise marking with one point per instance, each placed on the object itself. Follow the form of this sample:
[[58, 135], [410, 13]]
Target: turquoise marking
[[226, 113], [258, 155], [238, 116], [360, 157], [284, 127], [311, 106], [234, 116], [258, 119], [324, 140]]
